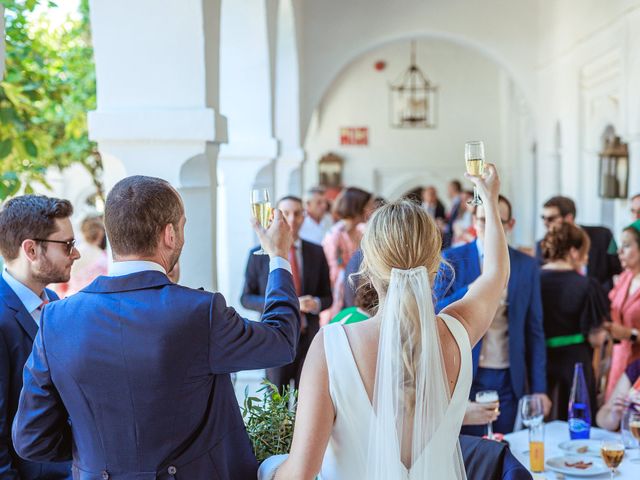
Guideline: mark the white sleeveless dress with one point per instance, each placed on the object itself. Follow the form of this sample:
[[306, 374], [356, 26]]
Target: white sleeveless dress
[[346, 455]]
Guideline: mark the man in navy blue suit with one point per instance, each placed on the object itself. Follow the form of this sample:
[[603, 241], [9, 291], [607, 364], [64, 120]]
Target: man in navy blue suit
[[511, 357], [130, 376], [37, 244], [311, 278]]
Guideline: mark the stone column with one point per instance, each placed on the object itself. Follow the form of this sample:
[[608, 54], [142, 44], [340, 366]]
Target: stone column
[[157, 110], [247, 160], [287, 103]]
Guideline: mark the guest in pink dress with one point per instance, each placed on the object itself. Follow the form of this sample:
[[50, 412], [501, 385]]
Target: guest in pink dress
[[625, 307], [353, 207]]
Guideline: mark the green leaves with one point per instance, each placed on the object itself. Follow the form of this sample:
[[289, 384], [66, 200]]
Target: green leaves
[[49, 86], [270, 420], [5, 148]]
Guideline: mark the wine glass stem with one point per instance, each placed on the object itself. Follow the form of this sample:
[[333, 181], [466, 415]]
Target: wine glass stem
[[476, 197], [490, 431]]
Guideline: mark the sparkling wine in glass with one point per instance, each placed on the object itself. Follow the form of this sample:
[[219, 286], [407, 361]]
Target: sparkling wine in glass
[[532, 414], [488, 396], [634, 428], [474, 158], [261, 209], [612, 453]]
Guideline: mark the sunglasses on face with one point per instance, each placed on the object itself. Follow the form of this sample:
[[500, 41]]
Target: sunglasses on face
[[70, 244], [550, 218]]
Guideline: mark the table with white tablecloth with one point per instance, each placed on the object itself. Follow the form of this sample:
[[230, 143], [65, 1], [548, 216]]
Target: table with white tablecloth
[[557, 432]]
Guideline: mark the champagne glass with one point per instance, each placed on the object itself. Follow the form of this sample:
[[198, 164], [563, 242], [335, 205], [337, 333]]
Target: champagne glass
[[261, 209], [474, 158], [488, 396], [531, 410], [634, 428], [612, 452]]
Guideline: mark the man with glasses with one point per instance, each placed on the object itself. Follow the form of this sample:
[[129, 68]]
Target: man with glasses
[[311, 279], [511, 357], [603, 257], [38, 247]]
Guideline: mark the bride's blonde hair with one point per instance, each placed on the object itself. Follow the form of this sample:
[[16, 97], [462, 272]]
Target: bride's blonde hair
[[402, 235]]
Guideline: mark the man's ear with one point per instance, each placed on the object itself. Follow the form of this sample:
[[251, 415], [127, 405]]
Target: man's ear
[[30, 249], [169, 235]]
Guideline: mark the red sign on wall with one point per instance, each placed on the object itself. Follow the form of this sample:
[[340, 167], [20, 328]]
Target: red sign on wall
[[354, 136]]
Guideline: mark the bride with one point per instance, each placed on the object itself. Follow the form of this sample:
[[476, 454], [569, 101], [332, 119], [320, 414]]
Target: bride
[[384, 399]]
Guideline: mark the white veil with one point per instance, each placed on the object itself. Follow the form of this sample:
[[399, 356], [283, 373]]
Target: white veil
[[404, 432]]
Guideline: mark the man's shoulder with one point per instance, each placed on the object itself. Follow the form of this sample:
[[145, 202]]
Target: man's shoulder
[[524, 259], [597, 231], [461, 252]]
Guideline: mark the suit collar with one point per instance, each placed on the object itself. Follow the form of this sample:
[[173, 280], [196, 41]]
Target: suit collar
[[23, 317], [128, 283]]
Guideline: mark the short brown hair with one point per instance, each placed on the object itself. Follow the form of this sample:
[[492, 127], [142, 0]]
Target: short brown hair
[[558, 241], [137, 210], [29, 217], [503, 199], [351, 202], [92, 229], [565, 205]]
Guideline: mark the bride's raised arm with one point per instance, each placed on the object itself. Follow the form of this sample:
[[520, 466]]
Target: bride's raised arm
[[477, 308]]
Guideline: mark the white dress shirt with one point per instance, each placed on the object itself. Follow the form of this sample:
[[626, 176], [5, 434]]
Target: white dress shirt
[[31, 301], [314, 232]]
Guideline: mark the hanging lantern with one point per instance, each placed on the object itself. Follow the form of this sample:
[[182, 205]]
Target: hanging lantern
[[412, 98], [614, 168]]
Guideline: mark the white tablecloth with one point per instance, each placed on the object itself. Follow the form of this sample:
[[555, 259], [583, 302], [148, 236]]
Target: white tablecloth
[[557, 432]]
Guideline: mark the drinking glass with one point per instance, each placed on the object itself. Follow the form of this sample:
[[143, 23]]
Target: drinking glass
[[474, 158], [634, 428], [532, 414], [261, 209], [531, 410], [488, 396], [612, 452]]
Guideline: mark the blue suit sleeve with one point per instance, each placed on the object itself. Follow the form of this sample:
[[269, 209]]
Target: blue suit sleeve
[[41, 430], [240, 344], [447, 288], [252, 298], [535, 339], [6, 469]]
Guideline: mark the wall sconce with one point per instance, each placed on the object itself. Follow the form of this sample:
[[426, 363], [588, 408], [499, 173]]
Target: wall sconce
[[614, 167]]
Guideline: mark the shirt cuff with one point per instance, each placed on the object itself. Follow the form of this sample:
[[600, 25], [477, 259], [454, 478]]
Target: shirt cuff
[[279, 262]]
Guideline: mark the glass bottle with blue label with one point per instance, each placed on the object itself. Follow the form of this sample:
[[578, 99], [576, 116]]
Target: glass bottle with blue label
[[579, 407]]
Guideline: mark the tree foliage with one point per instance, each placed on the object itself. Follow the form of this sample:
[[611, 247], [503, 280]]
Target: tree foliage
[[48, 87]]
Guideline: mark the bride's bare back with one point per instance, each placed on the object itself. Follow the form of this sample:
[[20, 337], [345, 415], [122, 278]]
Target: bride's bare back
[[363, 340]]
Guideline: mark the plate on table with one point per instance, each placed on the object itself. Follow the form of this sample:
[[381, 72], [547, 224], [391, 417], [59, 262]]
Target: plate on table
[[582, 447], [577, 465]]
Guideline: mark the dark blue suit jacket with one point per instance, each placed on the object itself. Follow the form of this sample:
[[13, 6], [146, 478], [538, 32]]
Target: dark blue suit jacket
[[527, 350], [130, 376], [17, 331], [315, 281]]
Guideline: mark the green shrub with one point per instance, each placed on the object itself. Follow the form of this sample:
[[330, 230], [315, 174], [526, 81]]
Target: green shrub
[[270, 419]]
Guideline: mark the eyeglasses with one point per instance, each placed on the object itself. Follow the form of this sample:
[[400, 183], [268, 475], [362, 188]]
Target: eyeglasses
[[550, 218], [71, 244]]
